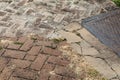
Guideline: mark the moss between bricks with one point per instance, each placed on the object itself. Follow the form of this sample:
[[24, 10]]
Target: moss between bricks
[[18, 43], [33, 38], [1, 47], [58, 40], [94, 73]]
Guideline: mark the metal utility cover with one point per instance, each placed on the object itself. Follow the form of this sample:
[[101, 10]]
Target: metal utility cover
[[106, 27]]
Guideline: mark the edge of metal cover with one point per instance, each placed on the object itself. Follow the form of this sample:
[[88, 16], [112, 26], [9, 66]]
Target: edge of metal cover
[[101, 16], [95, 19]]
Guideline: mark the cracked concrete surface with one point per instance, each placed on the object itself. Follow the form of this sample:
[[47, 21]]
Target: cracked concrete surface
[[97, 54]]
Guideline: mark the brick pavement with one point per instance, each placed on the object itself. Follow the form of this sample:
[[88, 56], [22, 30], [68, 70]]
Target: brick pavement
[[33, 59], [20, 17]]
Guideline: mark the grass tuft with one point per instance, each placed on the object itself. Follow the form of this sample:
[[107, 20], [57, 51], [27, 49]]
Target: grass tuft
[[18, 43], [58, 40], [117, 2], [34, 38], [1, 47], [93, 73]]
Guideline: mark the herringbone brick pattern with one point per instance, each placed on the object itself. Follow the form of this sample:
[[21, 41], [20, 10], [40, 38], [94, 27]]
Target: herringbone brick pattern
[[33, 59]]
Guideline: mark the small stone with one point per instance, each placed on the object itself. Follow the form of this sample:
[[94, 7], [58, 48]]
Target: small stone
[[73, 27], [71, 37]]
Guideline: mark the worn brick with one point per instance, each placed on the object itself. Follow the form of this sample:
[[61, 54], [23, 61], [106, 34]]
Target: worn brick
[[22, 39], [14, 54], [16, 78], [44, 43], [14, 46], [12, 39], [6, 73], [48, 67], [68, 78], [27, 45], [22, 2], [64, 71], [63, 43], [33, 64], [38, 63], [55, 77], [19, 63], [40, 38], [45, 72], [58, 61], [43, 76], [24, 73], [30, 57], [3, 63], [50, 51], [2, 51], [34, 50], [5, 45]]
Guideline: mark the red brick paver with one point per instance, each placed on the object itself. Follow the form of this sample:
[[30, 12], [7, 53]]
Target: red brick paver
[[30, 59]]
